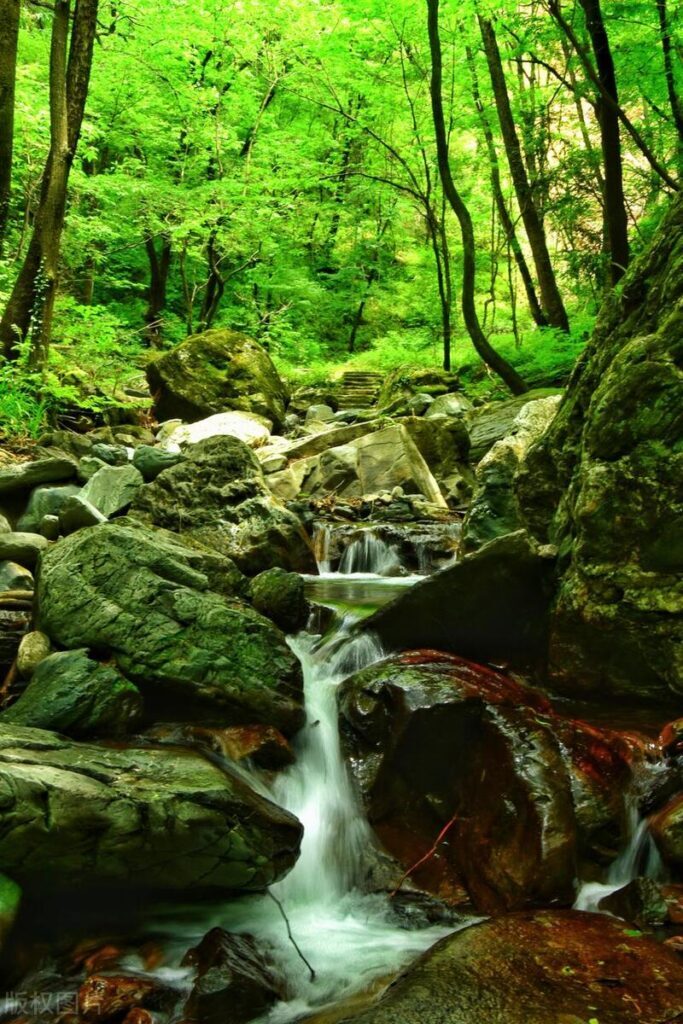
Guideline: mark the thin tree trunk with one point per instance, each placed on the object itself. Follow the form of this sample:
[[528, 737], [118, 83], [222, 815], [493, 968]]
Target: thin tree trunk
[[550, 293], [28, 314], [674, 98], [9, 36], [506, 221], [489, 355], [159, 264], [616, 219]]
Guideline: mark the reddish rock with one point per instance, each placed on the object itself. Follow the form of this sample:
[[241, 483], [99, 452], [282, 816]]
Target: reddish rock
[[675, 943], [104, 997], [436, 742], [138, 1016], [265, 745], [671, 738], [666, 828], [673, 897], [548, 967], [234, 982]]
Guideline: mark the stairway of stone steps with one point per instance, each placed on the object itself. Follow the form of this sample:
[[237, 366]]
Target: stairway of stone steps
[[359, 389]]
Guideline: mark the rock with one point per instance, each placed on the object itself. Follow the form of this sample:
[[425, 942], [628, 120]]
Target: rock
[[87, 468], [79, 513], [214, 372], [34, 647], [245, 426], [666, 828], [106, 997], [280, 596], [319, 414], [10, 901], [274, 463], [444, 443], [49, 527], [5, 526], [604, 486], [491, 606], [152, 460], [74, 695], [494, 510], [671, 738], [24, 548], [218, 497], [441, 746], [304, 397], [234, 980], [563, 967], [24, 476], [44, 501], [111, 454], [641, 902], [402, 383], [262, 744], [145, 598], [449, 405], [493, 422], [112, 489], [84, 816], [77, 445], [419, 403], [15, 577], [332, 438]]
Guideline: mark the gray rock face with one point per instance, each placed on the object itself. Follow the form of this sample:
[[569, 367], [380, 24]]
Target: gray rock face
[[25, 476], [112, 489], [79, 815], [44, 501], [78, 513], [214, 372], [151, 460], [24, 548], [218, 496], [111, 454], [74, 695], [144, 597], [494, 421]]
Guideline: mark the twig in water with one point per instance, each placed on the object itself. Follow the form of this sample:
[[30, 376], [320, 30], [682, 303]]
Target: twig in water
[[277, 902], [430, 853]]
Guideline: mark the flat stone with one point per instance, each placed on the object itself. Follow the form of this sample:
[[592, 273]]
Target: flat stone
[[112, 489], [15, 577], [26, 475], [24, 548], [79, 513]]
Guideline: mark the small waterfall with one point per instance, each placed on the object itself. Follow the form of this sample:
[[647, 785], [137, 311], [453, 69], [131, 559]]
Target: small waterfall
[[321, 547], [639, 858], [370, 554]]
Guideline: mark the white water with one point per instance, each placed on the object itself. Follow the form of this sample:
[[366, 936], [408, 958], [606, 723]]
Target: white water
[[639, 858], [370, 554]]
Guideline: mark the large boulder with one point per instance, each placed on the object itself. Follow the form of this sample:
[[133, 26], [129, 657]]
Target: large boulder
[[246, 426], [142, 597], [605, 484], [217, 496], [550, 967], [490, 606], [492, 422], [439, 745], [494, 510], [214, 372], [79, 815], [24, 476]]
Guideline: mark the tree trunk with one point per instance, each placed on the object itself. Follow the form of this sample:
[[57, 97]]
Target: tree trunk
[[506, 221], [492, 359], [28, 315], [616, 219], [9, 36], [550, 294], [159, 264], [674, 98]]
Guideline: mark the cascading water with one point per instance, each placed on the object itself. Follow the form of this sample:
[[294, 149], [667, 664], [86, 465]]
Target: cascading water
[[639, 858], [370, 554]]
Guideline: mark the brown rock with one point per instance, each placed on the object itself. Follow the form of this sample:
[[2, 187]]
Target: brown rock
[[103, 997]]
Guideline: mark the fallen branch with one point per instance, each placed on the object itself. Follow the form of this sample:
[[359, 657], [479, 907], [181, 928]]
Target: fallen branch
[[430, 853], [279, 906]]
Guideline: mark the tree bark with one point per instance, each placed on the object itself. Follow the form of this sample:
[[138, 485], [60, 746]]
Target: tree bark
[[28, 315], [674, 98], [489, 355], [506, 221], [551, 299], [159, 264], [616, 218], [9, 37]]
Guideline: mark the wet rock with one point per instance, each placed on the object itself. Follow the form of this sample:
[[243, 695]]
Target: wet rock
[[443, 747], [74, 695], [253, 430], [673, 897], [262, 744], [16, 608], [218, 496], [112, 489], [641, 902], [5, 526], [84, 816], [151, 460], [78, 513], [234, 980], [145, 598], [671, 738], [45, 500], [493, 605], [105, 997], [10, 901], [214, 372], [33, 649], [281, 597], [111, 454], [666, 828], [551, 966], [444, 444], [24, 548], [24, 476], [15, 577]]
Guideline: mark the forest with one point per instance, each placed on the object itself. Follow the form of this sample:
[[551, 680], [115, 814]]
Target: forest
[[356, 185], [341, 512]]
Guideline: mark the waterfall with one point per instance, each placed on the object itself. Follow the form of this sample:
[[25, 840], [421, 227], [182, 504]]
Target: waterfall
[[371, 555], [321, 547], [638, 858]]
